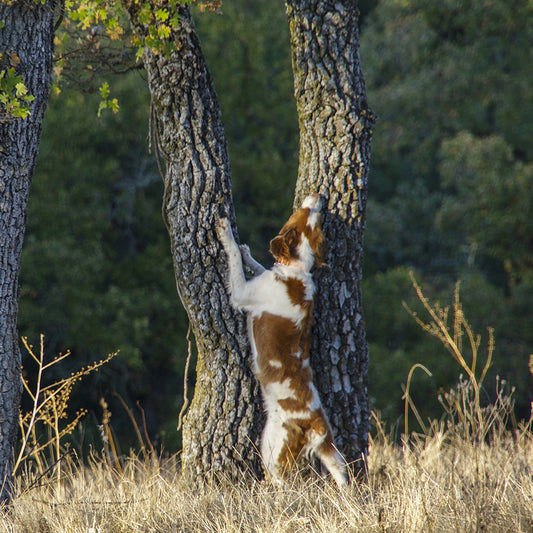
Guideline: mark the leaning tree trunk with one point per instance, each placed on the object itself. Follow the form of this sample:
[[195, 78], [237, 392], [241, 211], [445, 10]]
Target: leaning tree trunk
[[26, 43], [223, 422], [335, 132]]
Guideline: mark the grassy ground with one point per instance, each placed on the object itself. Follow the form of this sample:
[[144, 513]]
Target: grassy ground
[[437, 483], [467, 472]]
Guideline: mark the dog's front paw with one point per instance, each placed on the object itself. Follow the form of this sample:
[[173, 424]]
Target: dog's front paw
[[245, 252], [224, 231], [223, 227]]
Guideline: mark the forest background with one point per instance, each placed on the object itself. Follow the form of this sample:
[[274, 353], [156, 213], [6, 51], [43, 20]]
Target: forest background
[[450, 198]]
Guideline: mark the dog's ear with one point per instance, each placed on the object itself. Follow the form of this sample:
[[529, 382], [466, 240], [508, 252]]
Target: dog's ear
[[283, 245], [279, 248], [292, 239]]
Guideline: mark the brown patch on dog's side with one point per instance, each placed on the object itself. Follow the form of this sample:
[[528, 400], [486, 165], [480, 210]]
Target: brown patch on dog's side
[[280, 340], [295, 290]]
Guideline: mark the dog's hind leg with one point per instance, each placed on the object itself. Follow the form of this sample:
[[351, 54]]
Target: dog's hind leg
[[273, 442], [320, 444], [333, 461]]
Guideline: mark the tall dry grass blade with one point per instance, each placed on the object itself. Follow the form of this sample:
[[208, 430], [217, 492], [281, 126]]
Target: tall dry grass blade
[[145, 429], [132, 419], [408, 401]]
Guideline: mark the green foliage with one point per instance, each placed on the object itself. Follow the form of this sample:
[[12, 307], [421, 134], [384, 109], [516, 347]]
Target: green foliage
[[14, 98], [434, 70], [451, 175], [490, 196], [106, 102], [158, 18], [96, 272]]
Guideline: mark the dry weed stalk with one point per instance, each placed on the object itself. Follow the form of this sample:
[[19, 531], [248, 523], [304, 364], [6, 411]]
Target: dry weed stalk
[[452, 337], [108, 439], [408, 402], [50, 403]]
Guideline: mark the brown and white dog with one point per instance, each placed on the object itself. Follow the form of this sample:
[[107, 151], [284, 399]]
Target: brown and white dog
[[279, 303]]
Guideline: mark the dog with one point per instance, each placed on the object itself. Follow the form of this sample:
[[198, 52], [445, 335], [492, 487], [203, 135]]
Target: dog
[[279, 303]]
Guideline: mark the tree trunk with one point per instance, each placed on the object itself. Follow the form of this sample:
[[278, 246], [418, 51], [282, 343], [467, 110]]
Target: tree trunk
[[335, 133], [222, 425], [26, 42]]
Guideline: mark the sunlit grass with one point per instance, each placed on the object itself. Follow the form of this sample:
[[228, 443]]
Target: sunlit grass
[[437, 483], [469, 471]]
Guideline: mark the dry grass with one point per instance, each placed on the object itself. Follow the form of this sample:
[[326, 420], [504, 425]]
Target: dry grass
[[467, 473], [437, 483]]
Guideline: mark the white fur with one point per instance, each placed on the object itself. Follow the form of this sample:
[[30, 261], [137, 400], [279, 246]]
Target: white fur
[[249, 261], [250, 329], [272, 442], [336, 465], [313, 202], [306, 254]]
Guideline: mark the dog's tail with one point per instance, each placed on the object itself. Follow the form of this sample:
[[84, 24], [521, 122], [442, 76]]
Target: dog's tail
[[320, 443]]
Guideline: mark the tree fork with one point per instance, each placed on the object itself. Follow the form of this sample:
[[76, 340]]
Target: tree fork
[[223, 424]]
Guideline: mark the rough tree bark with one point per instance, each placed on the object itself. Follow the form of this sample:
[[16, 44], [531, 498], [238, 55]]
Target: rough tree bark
[[223, 421], [27, 36], [335, 133], [222, 427]]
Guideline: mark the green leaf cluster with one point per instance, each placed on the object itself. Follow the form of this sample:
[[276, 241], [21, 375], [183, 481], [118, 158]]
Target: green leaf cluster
[[106, 102], [107, 14], [15, 102], [158, 19]]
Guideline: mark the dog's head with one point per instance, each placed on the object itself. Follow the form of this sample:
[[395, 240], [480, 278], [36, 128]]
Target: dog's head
[[301, 240]]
